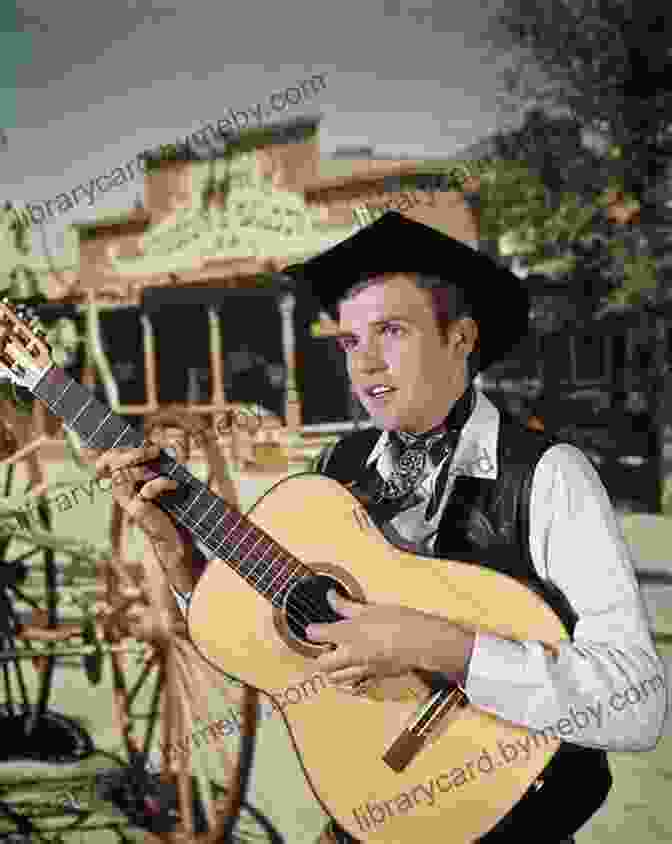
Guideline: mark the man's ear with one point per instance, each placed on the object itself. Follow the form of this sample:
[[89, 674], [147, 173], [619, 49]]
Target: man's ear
[[467, 332]]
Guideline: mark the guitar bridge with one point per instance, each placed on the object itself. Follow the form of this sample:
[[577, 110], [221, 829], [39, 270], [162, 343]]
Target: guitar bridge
[[407, 744]]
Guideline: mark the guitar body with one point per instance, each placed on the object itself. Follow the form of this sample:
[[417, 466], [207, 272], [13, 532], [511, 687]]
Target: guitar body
[[459, 783]]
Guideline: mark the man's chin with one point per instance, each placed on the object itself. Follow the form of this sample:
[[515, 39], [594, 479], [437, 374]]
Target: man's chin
[[385, 421]]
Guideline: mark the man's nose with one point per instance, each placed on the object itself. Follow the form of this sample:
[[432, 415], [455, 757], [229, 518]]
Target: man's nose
[[367, 359]]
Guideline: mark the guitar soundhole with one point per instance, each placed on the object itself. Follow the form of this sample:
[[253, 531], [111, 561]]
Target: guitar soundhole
[[307, 603]]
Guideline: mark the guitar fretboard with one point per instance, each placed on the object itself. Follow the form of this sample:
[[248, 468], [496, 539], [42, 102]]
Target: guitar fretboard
[[232, 537]]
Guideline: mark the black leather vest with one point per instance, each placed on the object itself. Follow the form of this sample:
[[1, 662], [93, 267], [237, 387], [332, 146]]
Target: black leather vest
[[487, 522]]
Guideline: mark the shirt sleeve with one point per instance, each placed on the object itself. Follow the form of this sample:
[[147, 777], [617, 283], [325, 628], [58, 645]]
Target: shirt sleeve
[[320, 462], [606, 688], [182, 599]]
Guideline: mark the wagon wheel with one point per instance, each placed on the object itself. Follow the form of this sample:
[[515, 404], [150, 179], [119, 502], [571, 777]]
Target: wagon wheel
[[173, 676], [29, 612]]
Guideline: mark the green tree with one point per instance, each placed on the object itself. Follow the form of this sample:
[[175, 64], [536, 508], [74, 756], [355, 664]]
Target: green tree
[[19, 282], [551, 202], [607, 64]]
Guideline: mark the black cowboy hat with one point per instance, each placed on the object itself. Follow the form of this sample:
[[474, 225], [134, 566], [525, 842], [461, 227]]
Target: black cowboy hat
[[394, 243]]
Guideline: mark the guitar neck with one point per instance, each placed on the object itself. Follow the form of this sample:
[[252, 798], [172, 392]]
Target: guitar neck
[[231, 536]]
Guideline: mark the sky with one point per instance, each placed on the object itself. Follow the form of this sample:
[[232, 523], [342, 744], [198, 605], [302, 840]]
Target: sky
[[97, 82]]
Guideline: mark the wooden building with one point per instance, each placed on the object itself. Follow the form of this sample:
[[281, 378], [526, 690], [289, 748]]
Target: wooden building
[[182, 298]]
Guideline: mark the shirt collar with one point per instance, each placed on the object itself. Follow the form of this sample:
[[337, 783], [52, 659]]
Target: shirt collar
[[476, 452]]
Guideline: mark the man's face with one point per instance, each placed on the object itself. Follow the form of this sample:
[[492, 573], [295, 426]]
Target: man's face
[[391, 338]]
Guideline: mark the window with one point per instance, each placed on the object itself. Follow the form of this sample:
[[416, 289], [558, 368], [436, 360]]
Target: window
[[121, 339]]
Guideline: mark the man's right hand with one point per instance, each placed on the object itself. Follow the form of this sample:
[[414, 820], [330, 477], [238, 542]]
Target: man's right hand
[[134, 486]]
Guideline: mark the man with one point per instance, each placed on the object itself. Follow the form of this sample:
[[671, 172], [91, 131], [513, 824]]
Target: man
[[444, 473]]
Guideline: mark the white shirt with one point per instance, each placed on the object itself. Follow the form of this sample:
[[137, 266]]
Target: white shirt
[[576, 542]]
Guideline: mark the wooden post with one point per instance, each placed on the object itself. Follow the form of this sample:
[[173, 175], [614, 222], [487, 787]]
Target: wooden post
[[89, 367], [293, 411], [293, 401], [219, 398], [149, 348], [216, 363]]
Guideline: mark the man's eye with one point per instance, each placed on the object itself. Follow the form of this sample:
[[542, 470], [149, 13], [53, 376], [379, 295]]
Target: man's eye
[[393, 330], [346, 343]]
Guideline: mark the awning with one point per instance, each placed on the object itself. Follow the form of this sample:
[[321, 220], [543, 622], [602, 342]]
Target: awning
[[155, 298]]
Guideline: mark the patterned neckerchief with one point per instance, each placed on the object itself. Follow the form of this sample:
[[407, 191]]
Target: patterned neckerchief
[[415, 455]]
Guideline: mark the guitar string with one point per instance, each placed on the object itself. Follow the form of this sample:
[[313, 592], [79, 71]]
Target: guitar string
[[128, 429], [302, 610], [298, 603], [313, 611], [293, 609]]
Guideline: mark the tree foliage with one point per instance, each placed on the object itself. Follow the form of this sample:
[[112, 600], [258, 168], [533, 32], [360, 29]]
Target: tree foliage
[[608, 74], [608, 63], [19, 282]]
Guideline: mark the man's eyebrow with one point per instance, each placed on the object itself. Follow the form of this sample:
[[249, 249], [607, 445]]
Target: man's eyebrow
[[392, 318]]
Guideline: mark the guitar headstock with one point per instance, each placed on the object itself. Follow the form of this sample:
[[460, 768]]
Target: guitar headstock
[[24, 355]]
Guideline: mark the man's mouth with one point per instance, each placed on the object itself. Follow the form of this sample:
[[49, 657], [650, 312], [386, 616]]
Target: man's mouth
[[379, 391]]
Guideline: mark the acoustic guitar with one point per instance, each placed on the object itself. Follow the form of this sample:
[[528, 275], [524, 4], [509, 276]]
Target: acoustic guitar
[[408, 760]]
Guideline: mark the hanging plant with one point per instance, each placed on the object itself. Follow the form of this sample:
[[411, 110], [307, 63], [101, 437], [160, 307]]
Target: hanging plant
[[64, 340]]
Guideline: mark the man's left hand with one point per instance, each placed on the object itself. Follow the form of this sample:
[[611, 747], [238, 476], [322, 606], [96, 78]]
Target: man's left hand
[[381, 640]]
